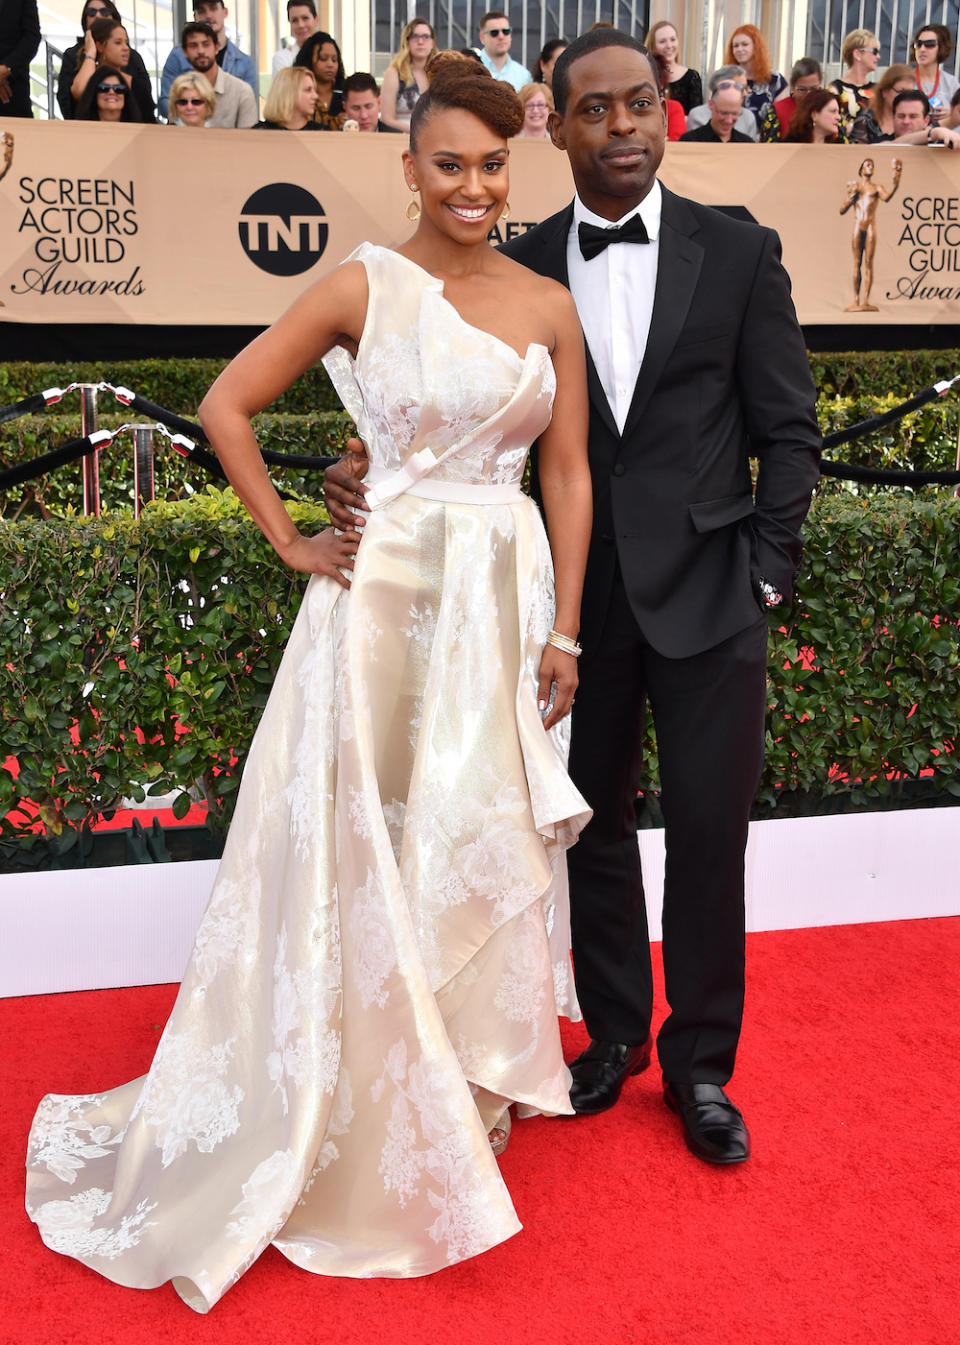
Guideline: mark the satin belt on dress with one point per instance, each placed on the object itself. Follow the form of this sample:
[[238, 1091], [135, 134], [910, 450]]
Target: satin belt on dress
[[411, 479]]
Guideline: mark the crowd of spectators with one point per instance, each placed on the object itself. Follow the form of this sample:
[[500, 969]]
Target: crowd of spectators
[[208, 81]]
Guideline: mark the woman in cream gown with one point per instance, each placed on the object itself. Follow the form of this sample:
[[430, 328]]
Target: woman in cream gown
[[385, 953]]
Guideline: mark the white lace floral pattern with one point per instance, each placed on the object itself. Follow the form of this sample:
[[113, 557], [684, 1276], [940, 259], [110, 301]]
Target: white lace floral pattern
[[378, 970]]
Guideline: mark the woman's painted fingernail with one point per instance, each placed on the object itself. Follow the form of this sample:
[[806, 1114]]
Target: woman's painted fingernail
[[541, 706]]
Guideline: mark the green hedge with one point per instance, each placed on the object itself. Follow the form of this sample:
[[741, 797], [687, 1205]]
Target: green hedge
[[177, 385], [150, 667], [53, 495]]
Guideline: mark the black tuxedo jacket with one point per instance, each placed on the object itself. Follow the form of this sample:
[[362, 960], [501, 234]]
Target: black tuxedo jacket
[[724, 379], [19, 40]]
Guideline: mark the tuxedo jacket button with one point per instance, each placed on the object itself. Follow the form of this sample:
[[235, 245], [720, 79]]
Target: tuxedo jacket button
[[619, 469]]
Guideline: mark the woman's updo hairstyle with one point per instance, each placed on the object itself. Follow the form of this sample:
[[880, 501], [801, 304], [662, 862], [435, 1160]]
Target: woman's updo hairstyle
[[461, 83]]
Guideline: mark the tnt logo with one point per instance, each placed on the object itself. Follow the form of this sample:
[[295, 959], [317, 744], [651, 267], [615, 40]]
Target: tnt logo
[[283, 229]]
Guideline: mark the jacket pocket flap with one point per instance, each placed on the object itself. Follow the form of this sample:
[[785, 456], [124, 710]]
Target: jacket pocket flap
[[710, 514]]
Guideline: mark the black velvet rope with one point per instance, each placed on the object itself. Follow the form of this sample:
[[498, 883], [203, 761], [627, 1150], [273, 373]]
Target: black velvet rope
[[194, 431], [26, 471], [78, 448], [27, 406], [880, 476], [895, 413]]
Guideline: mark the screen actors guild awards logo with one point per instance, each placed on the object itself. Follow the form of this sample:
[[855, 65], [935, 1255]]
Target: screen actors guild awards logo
[[6, 159], [865, 195], [6, 154], [283, 229]]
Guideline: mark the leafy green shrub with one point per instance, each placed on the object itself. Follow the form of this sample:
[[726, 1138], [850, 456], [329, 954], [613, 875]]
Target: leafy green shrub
[[150, 665], [177, 385]]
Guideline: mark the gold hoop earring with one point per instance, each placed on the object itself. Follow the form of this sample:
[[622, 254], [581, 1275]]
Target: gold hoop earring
[[413, 206], [505, 213]]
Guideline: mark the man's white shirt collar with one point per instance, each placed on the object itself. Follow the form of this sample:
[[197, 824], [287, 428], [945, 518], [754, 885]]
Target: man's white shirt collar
[[649, 211]]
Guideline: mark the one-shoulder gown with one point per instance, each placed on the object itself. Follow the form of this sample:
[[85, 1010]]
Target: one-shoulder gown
[[385, 952]]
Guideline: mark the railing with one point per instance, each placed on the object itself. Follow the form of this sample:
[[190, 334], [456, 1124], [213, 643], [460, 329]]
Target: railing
[[533, 22]]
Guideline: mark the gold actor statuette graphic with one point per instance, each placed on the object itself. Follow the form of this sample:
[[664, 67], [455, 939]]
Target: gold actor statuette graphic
[[865, 195], [6, 153]]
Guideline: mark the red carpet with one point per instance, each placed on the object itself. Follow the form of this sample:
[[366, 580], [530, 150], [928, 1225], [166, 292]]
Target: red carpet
[[842, 1229]]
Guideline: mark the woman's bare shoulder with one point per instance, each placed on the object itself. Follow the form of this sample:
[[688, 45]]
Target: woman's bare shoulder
[[530, 284]]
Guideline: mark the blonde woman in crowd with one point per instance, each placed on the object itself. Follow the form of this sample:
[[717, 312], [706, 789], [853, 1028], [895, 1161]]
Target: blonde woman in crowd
[[860, 53], [291, 102], [406, 77], [192, 100], [537, 103], [683, 85]]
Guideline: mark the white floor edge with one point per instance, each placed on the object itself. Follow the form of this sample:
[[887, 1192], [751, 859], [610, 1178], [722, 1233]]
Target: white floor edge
[[99, 928]]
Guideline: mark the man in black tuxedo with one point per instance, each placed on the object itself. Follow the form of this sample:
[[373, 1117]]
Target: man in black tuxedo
[[696, 364], [19, 40]]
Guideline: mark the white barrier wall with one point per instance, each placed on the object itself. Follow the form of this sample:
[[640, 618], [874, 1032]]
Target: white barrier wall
[[92, 929]]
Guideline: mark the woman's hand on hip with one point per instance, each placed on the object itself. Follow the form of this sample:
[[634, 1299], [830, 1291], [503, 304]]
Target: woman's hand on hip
[[328, 552]]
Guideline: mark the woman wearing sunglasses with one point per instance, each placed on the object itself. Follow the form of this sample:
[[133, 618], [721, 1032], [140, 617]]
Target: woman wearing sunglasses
[[192, 100], [107, 97], [860, 53], [931, 47], [84, 51]]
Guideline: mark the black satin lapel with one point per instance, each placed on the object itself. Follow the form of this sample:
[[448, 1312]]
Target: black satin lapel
[[553, 258], [553, 263], [678, 270], [598, 398]]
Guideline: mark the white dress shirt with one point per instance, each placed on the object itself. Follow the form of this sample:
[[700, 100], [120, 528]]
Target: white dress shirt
[[614, 297]]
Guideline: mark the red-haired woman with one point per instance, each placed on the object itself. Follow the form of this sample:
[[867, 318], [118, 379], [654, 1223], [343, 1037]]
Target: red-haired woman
[[746, 48], [817, 120]]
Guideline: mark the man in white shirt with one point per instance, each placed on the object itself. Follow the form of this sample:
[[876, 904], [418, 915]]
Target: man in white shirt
[[695, 365], [302, 17], [236, 104], [495, 38]]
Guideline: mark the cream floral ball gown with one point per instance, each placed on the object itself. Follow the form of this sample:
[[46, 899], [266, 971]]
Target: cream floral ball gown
[[385, 952]]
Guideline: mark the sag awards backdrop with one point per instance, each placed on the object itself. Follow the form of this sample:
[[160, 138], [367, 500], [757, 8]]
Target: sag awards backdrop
[[152, 225]]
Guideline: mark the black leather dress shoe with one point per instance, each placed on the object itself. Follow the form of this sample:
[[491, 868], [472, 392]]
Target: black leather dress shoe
[[601, 1071], [713, 1126]]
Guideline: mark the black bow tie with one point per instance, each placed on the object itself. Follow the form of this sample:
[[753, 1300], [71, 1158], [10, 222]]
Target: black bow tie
[[594, 240]]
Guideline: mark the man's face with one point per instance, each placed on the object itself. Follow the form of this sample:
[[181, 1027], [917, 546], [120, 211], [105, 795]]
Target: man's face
[[212, 12], [495, 36], [302, 23], [364, 107], [613, 130], [725, 107], [909, 117], [201, 52]]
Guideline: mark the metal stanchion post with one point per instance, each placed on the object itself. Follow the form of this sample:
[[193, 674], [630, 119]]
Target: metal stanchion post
[[91, 463], [143, 479]]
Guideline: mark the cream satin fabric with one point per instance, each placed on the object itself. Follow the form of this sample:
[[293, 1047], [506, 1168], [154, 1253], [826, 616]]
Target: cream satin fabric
[[386, 948]]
